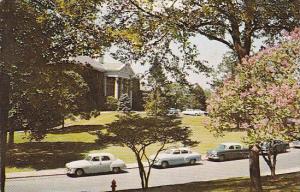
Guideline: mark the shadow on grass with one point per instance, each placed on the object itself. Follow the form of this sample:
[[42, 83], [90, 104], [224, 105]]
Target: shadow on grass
[[47, 155], [77, 129], [50, 155]]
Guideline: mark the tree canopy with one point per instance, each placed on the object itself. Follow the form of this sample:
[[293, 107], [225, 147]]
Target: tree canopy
[[151, 28]]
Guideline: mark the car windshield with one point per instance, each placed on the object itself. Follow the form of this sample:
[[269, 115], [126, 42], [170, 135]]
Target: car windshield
[[167, 151], [88, 158], [221, 146]]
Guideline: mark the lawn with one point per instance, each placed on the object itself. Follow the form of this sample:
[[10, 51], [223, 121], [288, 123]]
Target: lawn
[[74, 142], [285, 182]]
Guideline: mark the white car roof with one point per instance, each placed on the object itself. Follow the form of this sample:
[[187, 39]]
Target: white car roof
[[179, 148], [101, 154], [230, 143]]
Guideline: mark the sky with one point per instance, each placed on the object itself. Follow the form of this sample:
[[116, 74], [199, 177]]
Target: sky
[[211, 51]]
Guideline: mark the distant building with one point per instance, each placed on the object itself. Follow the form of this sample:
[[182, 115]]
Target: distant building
[[110, 79]]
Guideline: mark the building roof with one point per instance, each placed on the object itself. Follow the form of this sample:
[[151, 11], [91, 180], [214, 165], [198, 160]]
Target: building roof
[[109, 69], [88, 61]]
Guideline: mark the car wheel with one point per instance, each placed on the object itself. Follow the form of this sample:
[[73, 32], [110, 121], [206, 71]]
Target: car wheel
[[79, 172], [164, 164], [116, 170], [192, 162], [222, 158]]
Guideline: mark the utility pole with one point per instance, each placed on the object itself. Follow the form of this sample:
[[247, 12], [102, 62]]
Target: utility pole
[[4, 103]]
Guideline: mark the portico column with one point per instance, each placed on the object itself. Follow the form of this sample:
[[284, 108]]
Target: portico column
[[121, 86], [117, 88], [105, 85], [130, 91]]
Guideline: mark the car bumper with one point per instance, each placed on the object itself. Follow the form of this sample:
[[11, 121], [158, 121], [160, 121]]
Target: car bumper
[[70, 171], [212, 157]]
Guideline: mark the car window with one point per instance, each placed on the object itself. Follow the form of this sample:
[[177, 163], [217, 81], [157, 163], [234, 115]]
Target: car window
[[176, 152], [105, 158], [88, 158], [96, 158], [231, 147], [184, 151], [238, 147], [221, 147]]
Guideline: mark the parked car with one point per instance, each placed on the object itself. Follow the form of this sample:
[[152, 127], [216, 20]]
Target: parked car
[[194, 112], [95, 163], [228, 151], [278, 146], [176, 156], [296, 143], [173, 112]]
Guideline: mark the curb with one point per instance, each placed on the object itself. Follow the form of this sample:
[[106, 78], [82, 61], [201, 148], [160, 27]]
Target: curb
[[32, 174]]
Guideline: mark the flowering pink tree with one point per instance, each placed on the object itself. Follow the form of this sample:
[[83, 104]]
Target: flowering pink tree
[[261, 98]]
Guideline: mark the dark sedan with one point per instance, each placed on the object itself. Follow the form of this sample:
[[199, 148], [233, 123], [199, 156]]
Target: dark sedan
[[274, 146]]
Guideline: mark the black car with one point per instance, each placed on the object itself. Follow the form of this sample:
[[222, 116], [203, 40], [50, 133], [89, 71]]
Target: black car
[[274, 146]]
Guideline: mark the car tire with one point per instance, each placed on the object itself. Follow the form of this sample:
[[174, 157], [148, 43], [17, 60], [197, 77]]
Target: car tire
[[222, 158], [116, 170], [79, 172], [192, 162], [164, 164]]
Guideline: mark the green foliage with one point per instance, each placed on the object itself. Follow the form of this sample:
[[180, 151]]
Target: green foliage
[[45, 87], [157, 25], [111, 103], [124, 103], [139, 133], [156, 103]]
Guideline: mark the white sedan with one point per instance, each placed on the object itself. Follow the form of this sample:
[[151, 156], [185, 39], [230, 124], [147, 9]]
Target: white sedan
[[176, 156], [194, 112], [95, 163]]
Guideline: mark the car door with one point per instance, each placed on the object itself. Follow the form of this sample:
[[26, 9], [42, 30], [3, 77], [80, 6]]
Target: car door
[[105, 163], [185, 154], [177, 158], [231, 152], [239, 153], [95, 165]]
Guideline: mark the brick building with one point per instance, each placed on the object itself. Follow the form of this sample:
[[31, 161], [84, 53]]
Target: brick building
[[110, 79]]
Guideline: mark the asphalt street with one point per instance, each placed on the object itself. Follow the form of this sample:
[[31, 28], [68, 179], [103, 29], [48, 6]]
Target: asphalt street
[[206, 170]]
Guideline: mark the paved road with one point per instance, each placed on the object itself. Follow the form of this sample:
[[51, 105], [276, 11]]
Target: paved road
[[287, 162]]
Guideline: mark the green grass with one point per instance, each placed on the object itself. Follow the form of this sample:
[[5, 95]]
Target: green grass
[[281, 183], [74, 142]]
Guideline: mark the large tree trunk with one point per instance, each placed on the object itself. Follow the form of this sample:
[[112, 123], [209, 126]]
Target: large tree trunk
[[4, 105], [254, 169], [11, 138]]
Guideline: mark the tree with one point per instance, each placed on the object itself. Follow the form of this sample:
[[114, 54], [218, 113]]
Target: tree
[[111, 103], [264, 94], [144, 28], [124, 103], [4, 105], [199, 93], [138, 133], [156, 102], [43, 81], [225, 68]]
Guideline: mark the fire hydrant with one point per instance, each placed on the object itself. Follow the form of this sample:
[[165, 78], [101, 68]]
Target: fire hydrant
[[113, 185]]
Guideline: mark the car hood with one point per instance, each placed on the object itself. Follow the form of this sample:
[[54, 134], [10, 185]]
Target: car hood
[[212, 151], [77, 164]]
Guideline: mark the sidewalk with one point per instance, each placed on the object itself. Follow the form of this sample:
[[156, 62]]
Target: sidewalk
[[49, 172]]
